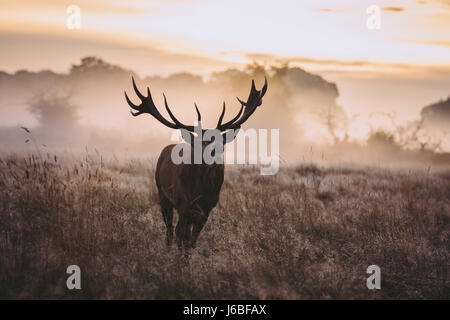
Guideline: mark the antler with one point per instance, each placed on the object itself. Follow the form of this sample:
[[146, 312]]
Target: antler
[[147, 106], [231, 127], [254, 100]]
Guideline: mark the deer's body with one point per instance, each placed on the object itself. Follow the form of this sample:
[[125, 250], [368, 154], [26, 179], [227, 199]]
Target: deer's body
[[192, 189]]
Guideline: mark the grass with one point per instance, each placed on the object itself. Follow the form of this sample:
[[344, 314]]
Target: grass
[[309, 232]]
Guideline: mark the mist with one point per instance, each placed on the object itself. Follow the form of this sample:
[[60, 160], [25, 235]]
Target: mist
[[86, 109]]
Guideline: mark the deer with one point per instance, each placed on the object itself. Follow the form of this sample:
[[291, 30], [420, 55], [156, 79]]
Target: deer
[[192, 189]]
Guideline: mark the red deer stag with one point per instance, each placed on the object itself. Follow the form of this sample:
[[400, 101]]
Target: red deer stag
[[192, 189]]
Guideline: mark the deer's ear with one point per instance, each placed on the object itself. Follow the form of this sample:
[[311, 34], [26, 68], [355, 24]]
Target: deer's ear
[[229, 135]]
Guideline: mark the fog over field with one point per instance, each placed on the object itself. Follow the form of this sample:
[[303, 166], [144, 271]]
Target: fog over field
[[86, 108]]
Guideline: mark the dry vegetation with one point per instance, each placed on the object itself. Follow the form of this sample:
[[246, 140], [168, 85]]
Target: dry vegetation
[[308, 232]]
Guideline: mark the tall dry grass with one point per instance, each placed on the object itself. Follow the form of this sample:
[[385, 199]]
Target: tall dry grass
[[307, 232]]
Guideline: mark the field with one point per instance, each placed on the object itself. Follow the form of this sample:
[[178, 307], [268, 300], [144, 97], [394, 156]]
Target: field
[[309, 232]]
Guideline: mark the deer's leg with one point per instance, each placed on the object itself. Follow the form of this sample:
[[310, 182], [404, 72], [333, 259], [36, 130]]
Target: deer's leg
[[182, 229], [167, 212], [197, 225]]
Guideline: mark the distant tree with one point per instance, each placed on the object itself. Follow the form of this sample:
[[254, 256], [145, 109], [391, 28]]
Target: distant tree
[[96, 66], [381, 138], [54, 111], [256, 70], [336, 121], [437, 114], [232, 79], [383, 141], [416, 135], [185, 79]]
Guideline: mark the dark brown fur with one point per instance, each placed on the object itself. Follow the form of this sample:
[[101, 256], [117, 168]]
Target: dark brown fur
[[192, 189]]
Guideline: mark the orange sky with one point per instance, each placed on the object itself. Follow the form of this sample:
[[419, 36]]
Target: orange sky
[[409, 55]]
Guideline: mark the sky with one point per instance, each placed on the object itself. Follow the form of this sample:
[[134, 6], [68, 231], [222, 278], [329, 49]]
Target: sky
[[400, 67]]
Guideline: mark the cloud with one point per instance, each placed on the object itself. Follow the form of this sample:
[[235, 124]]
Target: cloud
[[442, 3], [432, 42], [326, 10], [394, 9], [101, 6], [269, 58]]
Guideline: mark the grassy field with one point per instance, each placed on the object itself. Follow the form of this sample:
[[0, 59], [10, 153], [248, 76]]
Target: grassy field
[[308, 232]]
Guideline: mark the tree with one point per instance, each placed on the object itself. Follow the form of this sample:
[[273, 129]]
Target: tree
[[53, 111]]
